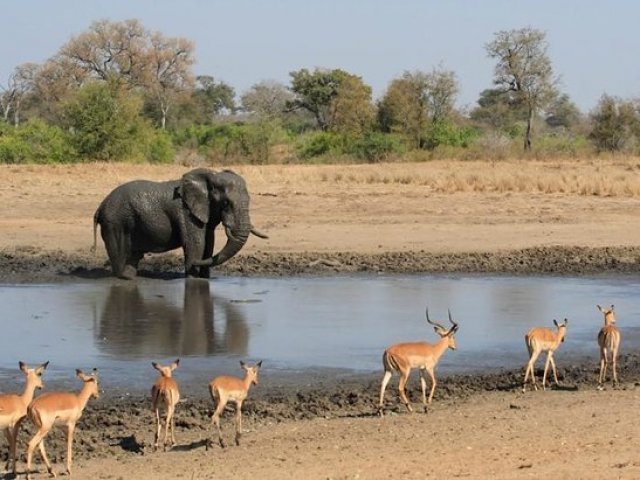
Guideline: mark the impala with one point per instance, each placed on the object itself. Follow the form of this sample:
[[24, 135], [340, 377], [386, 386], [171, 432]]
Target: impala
[[165, 395], [609, 342], [232, 389], [403, 357], [59, 409], [540, 340], [13, 408]]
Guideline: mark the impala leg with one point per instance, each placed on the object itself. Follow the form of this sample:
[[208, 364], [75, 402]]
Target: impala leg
[[555, 370], [70, 430], [385, 382], [215, 419], [8, 433], [33, 443], [43, 454], [173, 424], [404, 376], [603, 367], [433, 383], [531, 371], [423, 385], [156, 438], [614, 366], [546, 370], [14, 440], [167, 421], [238, 421]]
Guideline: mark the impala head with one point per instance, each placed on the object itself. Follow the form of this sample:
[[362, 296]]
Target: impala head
[[609, 315], [251, 371], [562, 328], [34, 374], [166, 371], [90, 381], [449, 334]]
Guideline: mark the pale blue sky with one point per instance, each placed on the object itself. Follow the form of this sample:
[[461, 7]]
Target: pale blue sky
[[594, 45]]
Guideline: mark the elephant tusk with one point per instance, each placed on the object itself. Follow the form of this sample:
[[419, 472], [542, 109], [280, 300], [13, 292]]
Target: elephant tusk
[[259, 234]]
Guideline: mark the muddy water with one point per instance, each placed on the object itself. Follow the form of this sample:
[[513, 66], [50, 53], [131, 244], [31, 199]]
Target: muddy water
[[297, 324]]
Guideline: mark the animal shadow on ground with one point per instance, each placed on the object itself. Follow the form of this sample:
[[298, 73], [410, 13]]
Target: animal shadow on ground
[[190, 446]]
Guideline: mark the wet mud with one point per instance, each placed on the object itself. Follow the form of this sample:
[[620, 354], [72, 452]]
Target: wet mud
[[120, 423]]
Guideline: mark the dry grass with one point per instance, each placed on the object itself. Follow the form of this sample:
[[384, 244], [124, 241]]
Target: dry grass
[[617, 177]]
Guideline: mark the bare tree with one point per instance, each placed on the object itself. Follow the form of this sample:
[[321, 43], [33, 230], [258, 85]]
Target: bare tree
[[267, 98], [524, 68], [109, 50], [167, 70]]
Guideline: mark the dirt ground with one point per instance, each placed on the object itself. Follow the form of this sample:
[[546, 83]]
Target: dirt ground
[[327, 220]]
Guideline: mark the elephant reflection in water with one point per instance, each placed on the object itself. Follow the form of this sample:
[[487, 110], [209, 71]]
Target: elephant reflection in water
[[133, 325]]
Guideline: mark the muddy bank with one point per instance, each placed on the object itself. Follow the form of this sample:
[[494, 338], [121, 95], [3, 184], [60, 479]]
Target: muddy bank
[[117, 426], [31, 265]]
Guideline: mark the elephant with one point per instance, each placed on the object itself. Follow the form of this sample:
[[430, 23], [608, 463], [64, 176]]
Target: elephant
[[144, 216]]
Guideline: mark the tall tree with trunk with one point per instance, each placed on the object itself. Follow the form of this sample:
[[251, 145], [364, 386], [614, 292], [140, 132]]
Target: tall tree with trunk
[[167, 71], [417, 101], [523, 67], [19, 85]]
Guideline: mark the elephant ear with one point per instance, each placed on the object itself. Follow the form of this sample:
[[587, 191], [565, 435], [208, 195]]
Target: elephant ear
[[195, 196]]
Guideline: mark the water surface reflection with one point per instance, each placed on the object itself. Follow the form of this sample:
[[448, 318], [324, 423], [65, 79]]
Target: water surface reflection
[[132, 325]]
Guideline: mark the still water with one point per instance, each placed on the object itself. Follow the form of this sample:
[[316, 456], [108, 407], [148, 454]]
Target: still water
[[296, 324]]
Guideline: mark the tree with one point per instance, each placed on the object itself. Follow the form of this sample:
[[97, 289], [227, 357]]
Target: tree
[[20, 84], [525, 69], [352, 111], [212, 98], [127, 54], [167, 71], [563, 113], [105, 121], [109, 51], [499, 109], [266, 99], [315, 91], [616, 124], [417, 102]]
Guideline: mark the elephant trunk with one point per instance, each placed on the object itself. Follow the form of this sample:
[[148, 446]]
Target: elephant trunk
[[237, 236], [236, 239]]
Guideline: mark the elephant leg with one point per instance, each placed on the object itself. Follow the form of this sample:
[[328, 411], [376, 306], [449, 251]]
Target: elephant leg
[[131, 267], [116, 245], [209, 242], [194, 246]]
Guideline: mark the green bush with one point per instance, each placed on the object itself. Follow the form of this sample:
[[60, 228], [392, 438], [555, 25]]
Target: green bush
[[376, 146], [36, 142], [106, 124], [449, 134], [318, 143]]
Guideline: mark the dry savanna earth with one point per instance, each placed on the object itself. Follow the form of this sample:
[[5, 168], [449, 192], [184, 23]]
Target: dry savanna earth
[[572, 216]]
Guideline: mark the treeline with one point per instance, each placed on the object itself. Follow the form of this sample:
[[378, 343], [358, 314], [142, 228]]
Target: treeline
[[121, 92]]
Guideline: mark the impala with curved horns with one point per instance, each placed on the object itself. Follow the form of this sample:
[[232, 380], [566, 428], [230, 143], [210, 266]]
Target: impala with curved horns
[[609, 343], [403, 357], [538, 340]]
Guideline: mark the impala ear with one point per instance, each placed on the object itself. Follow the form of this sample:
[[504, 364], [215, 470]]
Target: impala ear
[[42, 367], [243, 365], [259, 364], [555, 322], [23, 367], [175, 364], [155, 365]]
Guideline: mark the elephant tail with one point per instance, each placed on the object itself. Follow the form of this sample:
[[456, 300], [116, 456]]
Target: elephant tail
[[96, 220]]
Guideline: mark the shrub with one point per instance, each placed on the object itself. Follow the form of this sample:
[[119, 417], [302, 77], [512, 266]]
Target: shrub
[[376, 146], [36, 142]]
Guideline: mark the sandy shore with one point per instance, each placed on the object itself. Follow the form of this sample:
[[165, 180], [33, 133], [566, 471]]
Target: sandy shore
[[554, 218]]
